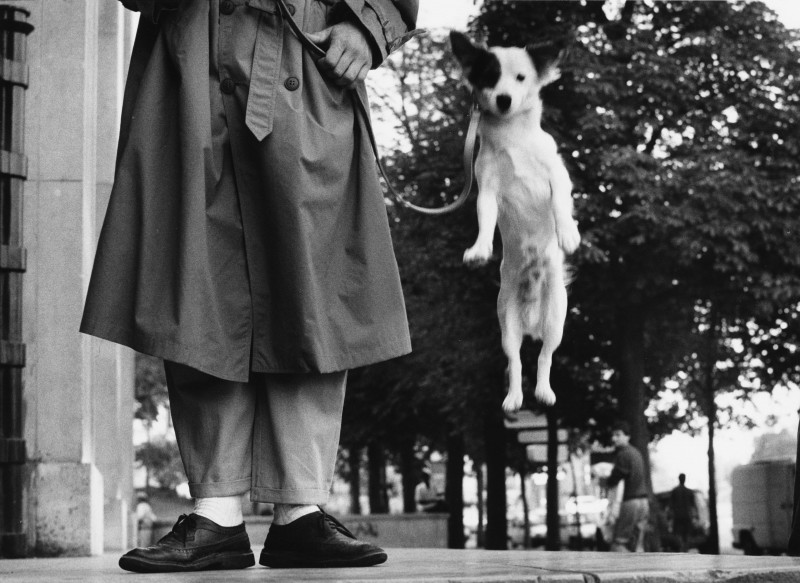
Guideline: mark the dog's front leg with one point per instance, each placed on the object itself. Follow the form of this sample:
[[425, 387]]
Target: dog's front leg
[[481, 251], [566, 228]]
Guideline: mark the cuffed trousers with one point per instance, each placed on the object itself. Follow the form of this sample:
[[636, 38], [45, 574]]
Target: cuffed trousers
[[275, 436]]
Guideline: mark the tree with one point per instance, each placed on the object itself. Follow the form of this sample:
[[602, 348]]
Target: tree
[[681, 120], [679, 126], [160, 456], [151, 388]]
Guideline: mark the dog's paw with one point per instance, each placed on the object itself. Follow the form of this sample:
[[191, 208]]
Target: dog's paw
[[512, 402], [568, 237], [545, 395], [478, 254]]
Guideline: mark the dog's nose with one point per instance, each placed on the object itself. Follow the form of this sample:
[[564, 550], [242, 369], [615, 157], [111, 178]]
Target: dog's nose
[[503, 102]]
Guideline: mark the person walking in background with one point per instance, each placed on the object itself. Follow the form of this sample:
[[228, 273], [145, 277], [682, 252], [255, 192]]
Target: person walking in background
[[247, 244], [145, 518], [634, 511], [427, 496], [684, 509]]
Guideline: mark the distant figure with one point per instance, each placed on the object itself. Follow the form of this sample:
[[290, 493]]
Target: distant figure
[[145, 517], [634, 511], [683, 507], [426, 496]]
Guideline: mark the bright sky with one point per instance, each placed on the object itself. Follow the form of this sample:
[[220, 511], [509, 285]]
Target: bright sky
[[445, 13], [455, 13]]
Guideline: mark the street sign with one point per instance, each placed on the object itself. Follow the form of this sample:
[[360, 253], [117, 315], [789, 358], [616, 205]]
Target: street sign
[[540, 436], [525, 420], [537, 453]]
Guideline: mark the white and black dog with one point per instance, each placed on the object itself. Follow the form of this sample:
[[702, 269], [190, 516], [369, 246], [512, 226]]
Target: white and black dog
[[524, 188]]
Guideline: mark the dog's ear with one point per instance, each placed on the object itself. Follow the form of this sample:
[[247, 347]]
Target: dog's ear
[[464, 51], [546, 58]]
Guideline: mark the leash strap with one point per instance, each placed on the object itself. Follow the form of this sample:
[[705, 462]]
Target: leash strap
[[361, 107]]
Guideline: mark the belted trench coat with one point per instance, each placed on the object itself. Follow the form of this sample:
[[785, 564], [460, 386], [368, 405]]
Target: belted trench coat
[[246, 228]]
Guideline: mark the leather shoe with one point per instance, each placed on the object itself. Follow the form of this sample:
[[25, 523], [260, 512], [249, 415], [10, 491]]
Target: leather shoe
[[317, 540], [194, 544]]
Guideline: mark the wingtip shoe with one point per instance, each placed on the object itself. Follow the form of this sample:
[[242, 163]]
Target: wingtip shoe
[[195, 543], [317, 540]]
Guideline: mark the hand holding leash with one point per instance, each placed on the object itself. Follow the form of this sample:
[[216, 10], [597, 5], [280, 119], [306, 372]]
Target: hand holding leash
[[307, 40], [348, 57]]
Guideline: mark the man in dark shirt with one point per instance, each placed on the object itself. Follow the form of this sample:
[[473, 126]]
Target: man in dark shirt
[[683, 507], [634, 511]]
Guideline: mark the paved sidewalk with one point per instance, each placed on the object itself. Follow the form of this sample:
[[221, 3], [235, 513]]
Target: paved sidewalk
[[452, 566]]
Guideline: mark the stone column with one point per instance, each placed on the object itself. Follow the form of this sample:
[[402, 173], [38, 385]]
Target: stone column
[[78, 390]]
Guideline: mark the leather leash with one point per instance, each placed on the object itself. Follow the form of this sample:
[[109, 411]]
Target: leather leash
[[361, 107]]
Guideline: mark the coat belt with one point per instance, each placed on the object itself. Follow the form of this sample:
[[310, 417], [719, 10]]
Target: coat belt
[[264, 80], [260, 111]]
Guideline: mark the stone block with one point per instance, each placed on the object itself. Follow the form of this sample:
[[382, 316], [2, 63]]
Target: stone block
[[69, 509]]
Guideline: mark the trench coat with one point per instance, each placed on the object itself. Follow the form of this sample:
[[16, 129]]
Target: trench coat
[[246, 229]]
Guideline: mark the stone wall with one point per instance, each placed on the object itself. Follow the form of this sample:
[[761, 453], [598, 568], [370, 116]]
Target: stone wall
[[78, 390]]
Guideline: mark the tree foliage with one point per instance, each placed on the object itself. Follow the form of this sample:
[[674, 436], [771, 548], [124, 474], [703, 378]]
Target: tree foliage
[[679, 125]]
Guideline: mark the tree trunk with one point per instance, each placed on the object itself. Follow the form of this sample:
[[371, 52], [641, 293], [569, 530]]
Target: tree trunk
[[354, 478], [713, 532], [794, 537], [631, 386], [495, 444], [526, 520], [378, 497], [454, 491], [711, 405], [410, 475], [553, 541], [480, 536]]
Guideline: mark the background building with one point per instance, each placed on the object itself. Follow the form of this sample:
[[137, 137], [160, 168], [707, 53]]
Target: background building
[[78, 392]]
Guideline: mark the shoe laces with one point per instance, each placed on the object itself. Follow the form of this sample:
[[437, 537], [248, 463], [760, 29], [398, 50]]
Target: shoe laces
[[185, 523], [335, 524]]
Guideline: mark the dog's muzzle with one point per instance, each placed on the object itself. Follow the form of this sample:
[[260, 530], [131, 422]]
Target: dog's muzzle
[[503, 103]]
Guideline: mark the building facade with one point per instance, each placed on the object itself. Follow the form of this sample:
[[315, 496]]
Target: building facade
[[78, 396]]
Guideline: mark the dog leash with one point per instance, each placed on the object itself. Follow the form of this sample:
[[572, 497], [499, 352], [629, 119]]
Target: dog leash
[[361, 107]]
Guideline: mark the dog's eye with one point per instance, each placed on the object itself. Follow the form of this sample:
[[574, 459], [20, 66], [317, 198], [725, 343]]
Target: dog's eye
[[520, 77]]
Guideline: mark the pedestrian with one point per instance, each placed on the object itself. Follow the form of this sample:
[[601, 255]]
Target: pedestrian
[[684, 508], [145, 518], [247, 244], [427, 496], [634, 511]]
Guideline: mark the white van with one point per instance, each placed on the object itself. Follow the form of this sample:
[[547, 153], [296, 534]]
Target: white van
[[762, 498]]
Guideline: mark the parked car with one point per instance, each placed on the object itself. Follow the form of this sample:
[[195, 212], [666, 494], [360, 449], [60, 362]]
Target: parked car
[[578, 520], [762, 495]]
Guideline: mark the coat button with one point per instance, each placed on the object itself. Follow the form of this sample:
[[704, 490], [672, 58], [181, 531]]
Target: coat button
[[291, 8], [228, 86], [227, 6], [292, 83]]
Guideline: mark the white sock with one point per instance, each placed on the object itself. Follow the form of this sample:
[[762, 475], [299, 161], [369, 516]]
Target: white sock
[[225, 511], [286, 513]]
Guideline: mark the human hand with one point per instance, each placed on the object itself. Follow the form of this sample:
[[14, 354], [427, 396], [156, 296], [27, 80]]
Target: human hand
[[348, 57]]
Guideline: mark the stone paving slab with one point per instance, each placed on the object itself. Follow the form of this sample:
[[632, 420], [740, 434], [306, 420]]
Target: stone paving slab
[[451, 566]]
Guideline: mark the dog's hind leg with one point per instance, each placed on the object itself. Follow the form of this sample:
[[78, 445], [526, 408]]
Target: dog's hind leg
[[554, 314], [512, 331]]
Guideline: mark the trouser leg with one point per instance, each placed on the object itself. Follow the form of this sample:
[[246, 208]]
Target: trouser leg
[[624, 527], [213, 421], [296, 436]]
